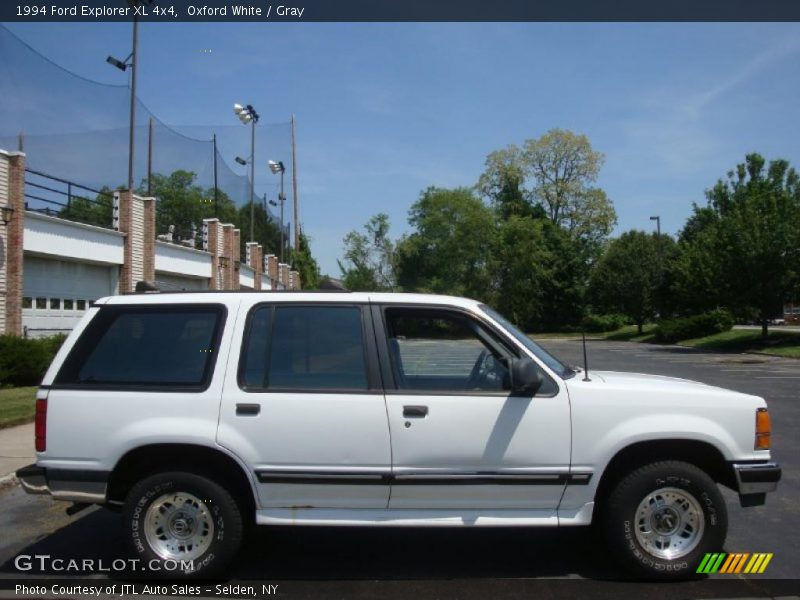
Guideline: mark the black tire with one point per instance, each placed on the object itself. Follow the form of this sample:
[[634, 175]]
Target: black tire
[[222, 518], [620, 519]]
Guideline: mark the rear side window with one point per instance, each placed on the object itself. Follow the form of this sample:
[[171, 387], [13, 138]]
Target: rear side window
[[148, 346], [304, 348]]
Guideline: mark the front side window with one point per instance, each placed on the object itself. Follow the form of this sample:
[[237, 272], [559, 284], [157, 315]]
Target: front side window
[[443, 351], [304, 348], [152, 346]]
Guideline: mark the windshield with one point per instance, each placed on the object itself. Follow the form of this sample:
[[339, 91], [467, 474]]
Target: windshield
[[551, 361]]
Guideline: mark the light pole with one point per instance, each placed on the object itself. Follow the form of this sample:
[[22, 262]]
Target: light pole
[[657, 219], [278, 167], [247, 114], [122, 65]]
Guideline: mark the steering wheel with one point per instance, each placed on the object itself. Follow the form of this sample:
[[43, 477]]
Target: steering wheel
[[478, 370]]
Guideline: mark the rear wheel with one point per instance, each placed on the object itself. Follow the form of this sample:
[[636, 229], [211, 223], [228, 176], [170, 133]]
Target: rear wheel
[[661, 519], [182, 525]]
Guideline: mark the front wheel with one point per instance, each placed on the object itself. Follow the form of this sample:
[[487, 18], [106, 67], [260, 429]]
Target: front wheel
[[182, 525], [661, 519]]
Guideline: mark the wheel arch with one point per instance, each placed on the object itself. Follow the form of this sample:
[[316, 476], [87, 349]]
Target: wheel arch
[[212, 463], [701, 454]]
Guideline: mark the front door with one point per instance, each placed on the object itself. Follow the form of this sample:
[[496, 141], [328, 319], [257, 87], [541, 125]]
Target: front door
[[460, 438], [303, 406]]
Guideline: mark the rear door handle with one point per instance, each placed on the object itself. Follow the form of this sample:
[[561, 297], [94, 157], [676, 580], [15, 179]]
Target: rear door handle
[[247, 410], [415, 411]]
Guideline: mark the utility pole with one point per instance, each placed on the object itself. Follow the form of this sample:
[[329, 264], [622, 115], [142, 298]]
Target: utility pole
[[252, 178], [149, 154], [134, 71], [294, 188], [216, 188]]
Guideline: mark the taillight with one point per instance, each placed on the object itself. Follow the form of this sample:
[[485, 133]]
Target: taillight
[[763, 429], [41, 424]]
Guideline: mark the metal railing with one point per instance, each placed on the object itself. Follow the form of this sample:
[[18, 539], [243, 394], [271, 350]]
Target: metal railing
[[62, 198]]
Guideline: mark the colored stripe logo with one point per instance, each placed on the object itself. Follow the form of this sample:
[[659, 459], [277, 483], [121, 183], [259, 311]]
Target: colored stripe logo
[[741, 562]]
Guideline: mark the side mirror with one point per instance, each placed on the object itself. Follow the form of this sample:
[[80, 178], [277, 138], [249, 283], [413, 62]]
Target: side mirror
[[525, 376]]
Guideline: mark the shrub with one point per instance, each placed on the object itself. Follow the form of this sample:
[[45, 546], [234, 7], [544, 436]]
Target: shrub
[[686, 328], [601, 323], [23, 361]]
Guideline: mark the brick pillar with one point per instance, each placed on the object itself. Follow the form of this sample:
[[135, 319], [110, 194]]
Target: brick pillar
[[236, 258], [149, 249], [212, 237], [295, 280], [271, 268], [253, 260], [283, 275], [227, 256], [12, 173], [135, 217]]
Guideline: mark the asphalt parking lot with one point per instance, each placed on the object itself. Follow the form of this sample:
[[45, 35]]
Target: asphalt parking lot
[[443, 563]]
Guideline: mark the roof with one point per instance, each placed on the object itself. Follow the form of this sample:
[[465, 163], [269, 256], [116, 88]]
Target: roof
[[230, 297]]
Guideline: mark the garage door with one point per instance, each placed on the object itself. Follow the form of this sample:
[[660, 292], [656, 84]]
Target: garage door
[[56, 293]]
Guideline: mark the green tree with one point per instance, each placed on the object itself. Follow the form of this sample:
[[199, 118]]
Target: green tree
[[747, 241], [369, 257], [502, 183], [630, 275], [305, 264], [184, 204], [99, 211], [265, 231], [552, 176], [563, 166], [450, 250], [537, 271]]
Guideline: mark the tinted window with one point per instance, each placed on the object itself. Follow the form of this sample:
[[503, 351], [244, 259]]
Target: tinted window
[[161, 346], [254, 363], [444, 352], [309, 347]]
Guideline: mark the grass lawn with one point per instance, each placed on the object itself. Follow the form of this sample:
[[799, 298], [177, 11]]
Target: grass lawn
[[557, 336], [630, 333], [17, 405], [779, 343]]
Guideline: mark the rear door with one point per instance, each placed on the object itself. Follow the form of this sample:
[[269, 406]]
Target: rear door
[[460, 438], [303, 405]]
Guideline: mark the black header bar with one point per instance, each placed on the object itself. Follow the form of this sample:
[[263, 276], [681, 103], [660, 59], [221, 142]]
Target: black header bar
[[400, 10]]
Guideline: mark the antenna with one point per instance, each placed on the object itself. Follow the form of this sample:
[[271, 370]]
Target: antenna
[[585, 361]]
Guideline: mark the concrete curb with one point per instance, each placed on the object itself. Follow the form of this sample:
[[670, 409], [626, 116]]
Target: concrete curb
[[7, 481]]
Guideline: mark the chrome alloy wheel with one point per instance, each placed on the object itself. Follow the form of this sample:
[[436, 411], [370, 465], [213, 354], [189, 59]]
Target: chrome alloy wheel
[[669, 523], [178, 526]]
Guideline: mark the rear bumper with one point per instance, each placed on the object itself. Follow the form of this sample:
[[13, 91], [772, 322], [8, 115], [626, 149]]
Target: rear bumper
[[65, 484], [755, 480], [33, 480]]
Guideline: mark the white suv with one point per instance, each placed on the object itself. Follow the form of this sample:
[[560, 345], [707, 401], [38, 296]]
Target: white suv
[[199, 414]]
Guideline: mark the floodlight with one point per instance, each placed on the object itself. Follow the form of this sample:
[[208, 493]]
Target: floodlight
[[240, 160], [117, 63]]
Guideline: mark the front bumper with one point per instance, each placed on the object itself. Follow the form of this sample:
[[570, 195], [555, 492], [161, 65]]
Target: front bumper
[[755, 480], [65, 484]]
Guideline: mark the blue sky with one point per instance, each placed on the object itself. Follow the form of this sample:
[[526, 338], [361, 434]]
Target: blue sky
[[385, 110]]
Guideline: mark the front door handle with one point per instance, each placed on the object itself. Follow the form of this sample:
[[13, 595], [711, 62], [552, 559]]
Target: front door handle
[[247, 410], [415, 411]]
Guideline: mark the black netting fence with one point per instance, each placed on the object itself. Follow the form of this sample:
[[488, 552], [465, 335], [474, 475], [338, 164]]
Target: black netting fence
[[77, 130]]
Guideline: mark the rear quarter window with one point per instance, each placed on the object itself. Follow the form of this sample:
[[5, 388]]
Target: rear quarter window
[[160, 347]]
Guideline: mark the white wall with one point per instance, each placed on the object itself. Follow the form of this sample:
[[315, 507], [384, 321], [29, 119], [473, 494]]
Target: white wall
[[180, 260], [247, 277], [51, 236]]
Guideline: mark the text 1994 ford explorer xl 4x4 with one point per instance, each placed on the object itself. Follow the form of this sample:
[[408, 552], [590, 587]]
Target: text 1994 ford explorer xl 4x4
[[198, 414]]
